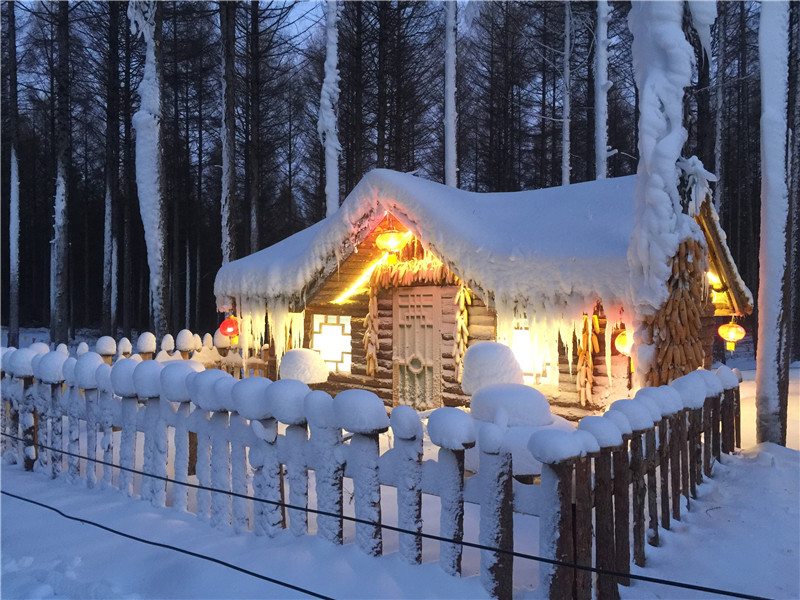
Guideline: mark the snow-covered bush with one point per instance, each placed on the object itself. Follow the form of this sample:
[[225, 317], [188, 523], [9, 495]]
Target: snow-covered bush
[[305, 365], [487, 363]]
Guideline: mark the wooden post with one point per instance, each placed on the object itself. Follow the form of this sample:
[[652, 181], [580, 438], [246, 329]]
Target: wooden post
[[562, 581], [91, 436], [684, 439], [26, 420], [737, 416], [675, 442], [55, 429], [652, 484], [582, 527], [297, 475], [127, 446], [707, 437], [606, 541], [727, 413], [42, 406], [365, 450], [181, 440], [716, 401], [497, 517], [220, 469], [408, 438], [639, 494], [695, 450], [240, 431], [663, 469], [266, 477]]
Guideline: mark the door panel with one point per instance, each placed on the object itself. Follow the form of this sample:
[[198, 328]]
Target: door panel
[[417, 352]]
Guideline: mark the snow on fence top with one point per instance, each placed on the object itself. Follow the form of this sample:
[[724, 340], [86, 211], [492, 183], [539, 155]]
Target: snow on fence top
[[556, 249]]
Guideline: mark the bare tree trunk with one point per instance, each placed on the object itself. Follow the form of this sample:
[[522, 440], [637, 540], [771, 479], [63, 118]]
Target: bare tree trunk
[[13, 223], [255, 126], [565, 98], [60, 256], [112, 161], [227, 17]]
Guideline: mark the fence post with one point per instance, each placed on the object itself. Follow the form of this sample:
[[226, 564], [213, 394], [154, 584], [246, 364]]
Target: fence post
[[6, 384], [27, 423], [286, 400], [266, 476], [56, 415], [174, 388], [407, 429], [74, 409], [122, 384], [557, 451], [147, 379], [730, 384], [651, 404], [41, 405], [106, 408], [497, 515], [621, 498], [325, 457], [86, 377], [363, 414], [239, 432], [452, 430]]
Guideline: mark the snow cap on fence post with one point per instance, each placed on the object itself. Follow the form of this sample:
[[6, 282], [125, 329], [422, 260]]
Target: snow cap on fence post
[[124, 348], [714, 386], [524, 405], [208, 341], [147, 379], [83, 348], [285, 399], [639, 416], [620, 420], [69, 371], [185, 341], [304, 364], [249, 398], [605, 431], [360, 411], [221, 341], [122, 376], [648, 398], [22, 363], [173, 379], [168, 343], [222, 390], [488, 363], [318, 407], [51, 367], [551, 446], [727, 377], [106, 347], [451, 428], [692, 389], [201, 389], [146, 345], [5, 360], [85, 369], [103, 377], [406, 423]]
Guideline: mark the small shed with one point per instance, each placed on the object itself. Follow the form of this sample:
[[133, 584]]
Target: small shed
[[408, 273]]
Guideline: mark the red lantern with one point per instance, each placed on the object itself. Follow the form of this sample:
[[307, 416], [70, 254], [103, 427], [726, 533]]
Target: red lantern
[[229, 327], [731, 333]]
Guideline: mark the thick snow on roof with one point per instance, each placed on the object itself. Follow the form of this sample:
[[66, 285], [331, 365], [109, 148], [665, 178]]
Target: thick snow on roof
[[557, 249]]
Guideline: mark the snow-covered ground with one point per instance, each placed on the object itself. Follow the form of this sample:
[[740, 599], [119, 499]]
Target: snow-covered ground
[[742, 534]]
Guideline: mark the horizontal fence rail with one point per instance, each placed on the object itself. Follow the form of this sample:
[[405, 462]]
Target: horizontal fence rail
[[252, 445]]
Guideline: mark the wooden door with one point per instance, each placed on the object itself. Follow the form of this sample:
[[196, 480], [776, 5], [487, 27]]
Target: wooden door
[[417, 341]]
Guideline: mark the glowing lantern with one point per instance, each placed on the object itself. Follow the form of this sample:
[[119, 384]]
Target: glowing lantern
[[229, 327], [731, 333], [391, 240], [622, 344]]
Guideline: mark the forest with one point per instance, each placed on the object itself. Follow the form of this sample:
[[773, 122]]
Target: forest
[[525, 104]]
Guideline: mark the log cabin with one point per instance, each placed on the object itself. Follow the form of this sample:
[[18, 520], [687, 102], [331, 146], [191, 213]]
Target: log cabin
[[393, 288]]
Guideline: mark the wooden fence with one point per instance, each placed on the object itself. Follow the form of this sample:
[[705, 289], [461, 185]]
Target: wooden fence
[[647, 454]]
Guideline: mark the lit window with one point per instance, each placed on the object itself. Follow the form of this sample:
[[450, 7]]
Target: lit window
[[534, 359], [331, 338]]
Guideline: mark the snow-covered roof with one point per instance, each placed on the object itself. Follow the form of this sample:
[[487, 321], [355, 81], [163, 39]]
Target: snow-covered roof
[[556, 250]]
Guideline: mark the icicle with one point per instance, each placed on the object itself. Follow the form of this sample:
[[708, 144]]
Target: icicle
[[609, 329]]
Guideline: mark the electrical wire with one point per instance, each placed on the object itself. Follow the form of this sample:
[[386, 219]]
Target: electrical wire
[[430, 536]]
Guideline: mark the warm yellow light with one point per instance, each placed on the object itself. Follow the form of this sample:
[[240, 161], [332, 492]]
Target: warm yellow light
[[353, 289], [731, 333], [622, 344], [392, 240]]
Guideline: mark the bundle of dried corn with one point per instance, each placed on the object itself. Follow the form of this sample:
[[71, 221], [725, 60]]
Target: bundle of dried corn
[[463, 300], [588, 345], [426, 270], [371, 334], [676, 329]]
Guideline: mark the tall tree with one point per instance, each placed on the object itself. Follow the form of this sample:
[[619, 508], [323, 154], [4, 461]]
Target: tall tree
[[601, 87], [110, 244], [566, 97], [60, 249], [227, 18], [146, 17], [772, 361], [450, 115], [13, 219], [329, 97]]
